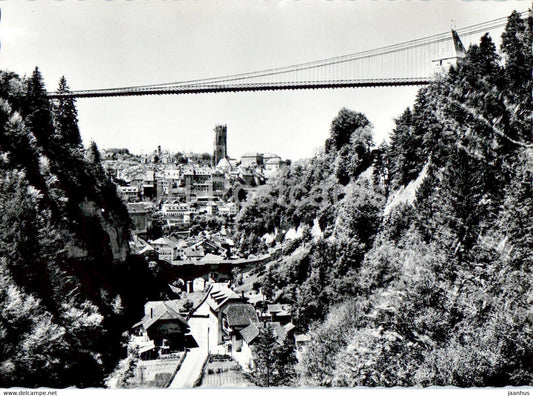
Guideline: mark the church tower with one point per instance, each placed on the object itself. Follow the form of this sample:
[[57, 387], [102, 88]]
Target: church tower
[[221, 141]]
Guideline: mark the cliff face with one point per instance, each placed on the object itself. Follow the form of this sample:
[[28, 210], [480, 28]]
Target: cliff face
[[115, 239], [116, 236]]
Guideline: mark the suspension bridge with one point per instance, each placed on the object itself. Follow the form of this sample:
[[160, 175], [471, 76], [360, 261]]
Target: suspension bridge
[[413, 62]]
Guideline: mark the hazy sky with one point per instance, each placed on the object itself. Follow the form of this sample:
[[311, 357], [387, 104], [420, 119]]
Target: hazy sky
[[101, 44]]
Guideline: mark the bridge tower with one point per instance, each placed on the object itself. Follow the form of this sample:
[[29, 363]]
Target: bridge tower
[[442, 64], [460, 50], [221, 144]]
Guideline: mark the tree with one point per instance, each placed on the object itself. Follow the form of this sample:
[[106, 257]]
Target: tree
[[273, 362], [37, 109], [406, 150], [317, 364], [27, 239], [285, 362], [360, 212], [93, 154], [349, 145], [24, 136], [516, 212], [516, 47], [66, 118], [264, 344], [381, 172], [125, 375], [344, 125], [30, 342], [355, 157]]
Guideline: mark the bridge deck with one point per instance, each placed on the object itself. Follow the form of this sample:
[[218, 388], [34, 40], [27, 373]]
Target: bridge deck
[[243, 87]]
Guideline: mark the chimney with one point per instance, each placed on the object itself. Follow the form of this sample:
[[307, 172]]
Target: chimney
[[151, 313], [242, 294]]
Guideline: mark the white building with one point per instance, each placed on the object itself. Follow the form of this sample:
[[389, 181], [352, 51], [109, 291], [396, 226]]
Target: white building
[[233, 323], [129, 192], [229, 208], [166, 249]]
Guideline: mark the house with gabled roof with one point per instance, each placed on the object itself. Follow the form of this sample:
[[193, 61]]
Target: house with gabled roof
[[229, 316], [210, 259], [194, 253], [162, 330], [235, 318]]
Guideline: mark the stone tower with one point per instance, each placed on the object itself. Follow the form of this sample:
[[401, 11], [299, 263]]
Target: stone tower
[[221, 144]]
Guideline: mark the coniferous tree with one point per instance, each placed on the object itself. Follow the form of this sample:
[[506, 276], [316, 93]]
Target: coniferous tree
[[381, 173], [514, 220], [66, 117], [273, 361], [428, 129], [264, 343], [516, 46], [20, 138], [406, 151], [38, 110]]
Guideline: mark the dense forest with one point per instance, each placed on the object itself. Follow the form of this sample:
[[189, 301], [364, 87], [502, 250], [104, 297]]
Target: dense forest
[[420, 272], [68, 287]]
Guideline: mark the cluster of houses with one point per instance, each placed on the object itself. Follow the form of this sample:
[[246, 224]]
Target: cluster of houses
[[168, 194], [174, 190], [175, 215], [204, 248], [191, 182], [232, 323], [176, 194]]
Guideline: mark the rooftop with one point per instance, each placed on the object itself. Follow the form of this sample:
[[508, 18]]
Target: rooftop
[[161, 310], [219, 294], [164, 241], [240, 314], [250, 332]]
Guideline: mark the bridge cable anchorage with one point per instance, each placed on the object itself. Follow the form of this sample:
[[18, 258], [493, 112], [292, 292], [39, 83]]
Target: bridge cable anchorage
[[375, 67]]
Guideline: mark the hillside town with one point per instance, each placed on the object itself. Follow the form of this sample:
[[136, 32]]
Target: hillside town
[[182, 209], [169, 197]]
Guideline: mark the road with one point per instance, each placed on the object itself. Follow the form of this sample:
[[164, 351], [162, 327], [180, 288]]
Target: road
[[191, 367]]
